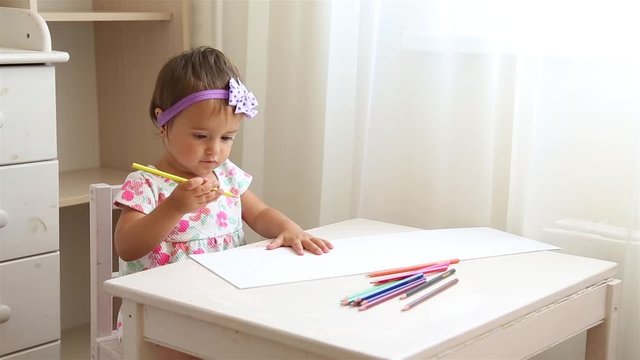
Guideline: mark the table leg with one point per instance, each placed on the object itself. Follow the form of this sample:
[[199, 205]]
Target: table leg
[[601, 339], [134, 346]]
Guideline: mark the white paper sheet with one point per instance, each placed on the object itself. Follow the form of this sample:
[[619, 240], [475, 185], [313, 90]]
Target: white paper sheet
[[255, 266]]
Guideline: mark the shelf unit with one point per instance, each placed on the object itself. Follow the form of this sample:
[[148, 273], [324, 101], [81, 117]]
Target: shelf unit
[[94, 16], [29, 219], [62, 13], [132, 39], [116, 48]]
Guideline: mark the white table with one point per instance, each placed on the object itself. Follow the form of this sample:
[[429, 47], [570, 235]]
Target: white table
[[503, 307]]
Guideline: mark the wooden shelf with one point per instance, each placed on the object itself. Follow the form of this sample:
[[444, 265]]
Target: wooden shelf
[[105, 16], [22, 56], [74, 185]]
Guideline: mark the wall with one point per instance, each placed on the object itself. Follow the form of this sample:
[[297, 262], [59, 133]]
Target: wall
[[289, 136]]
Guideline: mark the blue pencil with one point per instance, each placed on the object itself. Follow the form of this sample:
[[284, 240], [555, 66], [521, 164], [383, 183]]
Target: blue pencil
[[408, 280], [397, 291]]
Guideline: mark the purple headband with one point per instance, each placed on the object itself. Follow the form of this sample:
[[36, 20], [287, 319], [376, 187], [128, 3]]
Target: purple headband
[[238, 96]]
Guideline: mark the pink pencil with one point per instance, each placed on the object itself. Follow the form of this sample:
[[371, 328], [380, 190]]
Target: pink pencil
[[426, 270], [410, 268], [367, 304]]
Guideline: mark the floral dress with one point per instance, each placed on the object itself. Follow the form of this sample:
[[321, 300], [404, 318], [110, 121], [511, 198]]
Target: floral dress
[[216, 227]]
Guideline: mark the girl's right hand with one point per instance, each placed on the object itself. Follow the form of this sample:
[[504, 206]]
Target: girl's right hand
[[194, 194]]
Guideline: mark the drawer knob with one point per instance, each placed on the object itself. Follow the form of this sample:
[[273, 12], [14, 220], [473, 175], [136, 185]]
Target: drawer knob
[[5, 313], [4, 218]]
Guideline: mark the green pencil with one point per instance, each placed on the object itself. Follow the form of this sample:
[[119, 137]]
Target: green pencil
[[360, 294]]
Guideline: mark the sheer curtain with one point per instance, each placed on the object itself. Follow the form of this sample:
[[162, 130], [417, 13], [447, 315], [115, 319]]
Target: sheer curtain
[[522, 116], [519, 115]]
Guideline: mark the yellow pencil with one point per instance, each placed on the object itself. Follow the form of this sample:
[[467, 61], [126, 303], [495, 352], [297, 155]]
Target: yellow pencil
[[170, 176]]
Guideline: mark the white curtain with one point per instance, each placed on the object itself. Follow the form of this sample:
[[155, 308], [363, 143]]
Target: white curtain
[[519, 115]]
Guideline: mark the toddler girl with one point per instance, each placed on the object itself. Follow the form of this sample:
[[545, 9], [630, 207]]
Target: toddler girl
[[198, 105]]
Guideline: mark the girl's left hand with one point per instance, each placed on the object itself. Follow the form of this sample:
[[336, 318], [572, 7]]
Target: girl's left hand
[[300, 241]]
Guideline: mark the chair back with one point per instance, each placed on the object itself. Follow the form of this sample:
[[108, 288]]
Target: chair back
[[101, 264]]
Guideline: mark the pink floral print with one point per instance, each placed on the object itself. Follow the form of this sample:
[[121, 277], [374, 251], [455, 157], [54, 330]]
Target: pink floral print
[[131, 189], [197, 215], [216, 227], [221, 219], [158, 257], [182, 226]]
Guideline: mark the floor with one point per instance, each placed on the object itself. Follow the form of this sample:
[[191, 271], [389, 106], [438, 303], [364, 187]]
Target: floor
[[75, 343]]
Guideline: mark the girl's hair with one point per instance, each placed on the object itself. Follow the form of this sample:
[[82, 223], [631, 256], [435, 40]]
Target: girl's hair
[[201, 68]]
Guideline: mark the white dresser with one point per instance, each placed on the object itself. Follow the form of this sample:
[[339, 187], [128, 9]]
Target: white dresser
[[29, 246]]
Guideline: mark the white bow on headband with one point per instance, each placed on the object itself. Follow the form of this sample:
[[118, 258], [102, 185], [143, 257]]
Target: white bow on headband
[[238, 96], [241, 98]]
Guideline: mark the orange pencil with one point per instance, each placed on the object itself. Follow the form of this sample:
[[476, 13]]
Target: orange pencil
[[411, 268]]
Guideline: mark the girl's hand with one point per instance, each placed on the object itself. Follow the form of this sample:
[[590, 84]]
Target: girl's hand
[[300, 241], [194, 194]]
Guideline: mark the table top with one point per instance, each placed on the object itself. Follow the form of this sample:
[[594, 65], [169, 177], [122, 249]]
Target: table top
[[491, 292]]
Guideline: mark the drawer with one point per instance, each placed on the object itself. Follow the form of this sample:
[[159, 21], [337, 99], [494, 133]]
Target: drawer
[[30, 289], [45, 352], [28, 209], [27, 114]]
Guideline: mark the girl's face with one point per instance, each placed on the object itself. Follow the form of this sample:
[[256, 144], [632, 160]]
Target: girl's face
[[199, 139]]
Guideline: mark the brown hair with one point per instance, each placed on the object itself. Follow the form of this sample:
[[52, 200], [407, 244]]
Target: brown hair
[[201, 68]]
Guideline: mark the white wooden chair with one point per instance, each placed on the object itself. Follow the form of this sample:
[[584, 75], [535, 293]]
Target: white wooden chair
[[104, 344]]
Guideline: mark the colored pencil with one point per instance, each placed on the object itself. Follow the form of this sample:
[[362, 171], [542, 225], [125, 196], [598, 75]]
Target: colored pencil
[[428, 283], [390, 295], [351, 298], [429, 295], [410, 268], [391, 288], [404, 288], [175, 178], [426, 270]]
